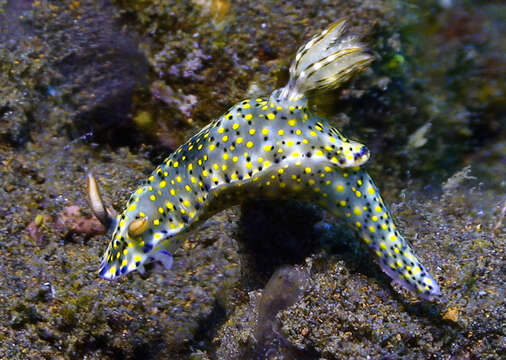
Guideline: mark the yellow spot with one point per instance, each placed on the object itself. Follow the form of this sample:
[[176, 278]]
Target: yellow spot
[[357, 211], [358, 193], [267, 147], [186, 203], [225, 138], [160, 210], [265, 131], [340, 188], [112, 270], [281, 171], [205, 173], [280, 150], [151, 178], [239, 140], [295, 154], [281, 132], [176, 164], [156, 222], [248, 116], [249, 165], [158, 236], [216, 166], [179, 179], [378, 253], [140, 190], [374, 218], [383, 246], [298, 132], [384, 226], [271, 116], [152, 197], [132, 207], [235, 126], [173, 192], [292, 122], [188, 188], [137, 258], [252, 131], [289, 143], [378, 209], [359, 182], [223, 167], [250, 144], [221, 130], [305, 141], [311, 182], [367, 240], [260, 159], [225, 156], [371, 191], [358, 224], [212, 147], [307, 170], [235, 159], [392, 237], [312, 133], [342, 203], [372, 229]]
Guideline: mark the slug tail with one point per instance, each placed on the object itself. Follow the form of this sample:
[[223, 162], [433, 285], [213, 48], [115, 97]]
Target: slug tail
[[325, 62]]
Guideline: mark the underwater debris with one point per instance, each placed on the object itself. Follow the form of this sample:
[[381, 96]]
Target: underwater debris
[[454, 181], [184, 103], [283, 289], [418, 139]]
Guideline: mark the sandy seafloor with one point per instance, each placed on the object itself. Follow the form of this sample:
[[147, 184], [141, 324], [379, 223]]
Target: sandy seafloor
[[113, 86]]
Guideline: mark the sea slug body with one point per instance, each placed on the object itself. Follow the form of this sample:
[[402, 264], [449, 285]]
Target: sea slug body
[[267, 147]]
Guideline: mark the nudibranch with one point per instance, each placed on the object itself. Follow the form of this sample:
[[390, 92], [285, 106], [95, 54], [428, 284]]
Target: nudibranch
[[265, 148]]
